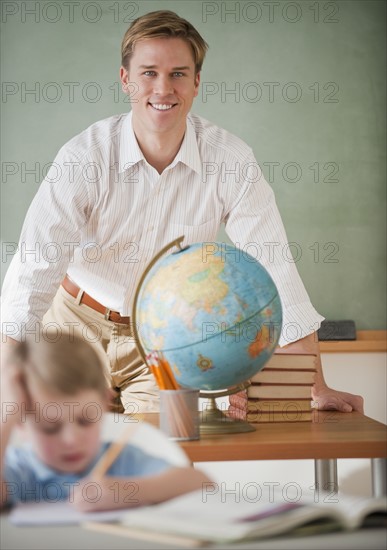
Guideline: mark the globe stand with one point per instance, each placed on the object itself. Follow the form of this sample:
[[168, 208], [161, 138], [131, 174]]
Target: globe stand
[[214, 421]]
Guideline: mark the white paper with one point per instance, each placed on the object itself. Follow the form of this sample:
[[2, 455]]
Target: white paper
[[58, 513]]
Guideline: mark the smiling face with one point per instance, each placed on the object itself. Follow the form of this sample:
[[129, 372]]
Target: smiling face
[[163, 84], [65, 430]]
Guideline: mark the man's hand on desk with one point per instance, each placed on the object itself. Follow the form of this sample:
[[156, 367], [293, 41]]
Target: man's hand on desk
[[238, 405], [324, 399]]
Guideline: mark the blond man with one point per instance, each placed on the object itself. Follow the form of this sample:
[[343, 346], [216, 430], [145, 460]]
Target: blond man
[[129, 185]]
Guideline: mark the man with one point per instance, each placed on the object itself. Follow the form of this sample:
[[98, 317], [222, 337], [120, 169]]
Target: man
[[129, 185]]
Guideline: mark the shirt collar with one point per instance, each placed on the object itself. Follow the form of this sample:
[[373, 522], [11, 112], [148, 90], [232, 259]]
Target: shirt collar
[[188, 153], [131, 154]]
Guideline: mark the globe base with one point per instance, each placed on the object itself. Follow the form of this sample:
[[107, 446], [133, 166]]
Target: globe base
[[214, 421]]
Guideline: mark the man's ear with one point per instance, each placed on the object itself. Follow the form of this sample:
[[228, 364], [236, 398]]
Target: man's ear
[[197, 82], [124, 77]]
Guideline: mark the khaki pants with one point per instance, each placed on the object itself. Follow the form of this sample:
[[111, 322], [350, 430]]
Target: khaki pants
[[124, 369]]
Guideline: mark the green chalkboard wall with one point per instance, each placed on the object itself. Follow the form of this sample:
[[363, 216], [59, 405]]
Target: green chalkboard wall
[[302, 82]]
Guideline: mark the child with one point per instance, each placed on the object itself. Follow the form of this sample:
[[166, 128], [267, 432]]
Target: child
[[57, 392]]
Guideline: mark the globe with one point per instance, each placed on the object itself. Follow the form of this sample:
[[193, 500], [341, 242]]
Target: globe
[[212, 311]]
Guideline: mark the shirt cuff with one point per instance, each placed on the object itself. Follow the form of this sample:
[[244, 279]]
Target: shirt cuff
[[298, 322]]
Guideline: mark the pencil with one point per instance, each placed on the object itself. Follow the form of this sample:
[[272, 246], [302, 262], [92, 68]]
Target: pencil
[[162, 372], [112, 452], [167, 369]]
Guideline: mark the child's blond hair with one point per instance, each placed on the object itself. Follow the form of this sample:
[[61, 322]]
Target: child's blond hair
[[67, 365]]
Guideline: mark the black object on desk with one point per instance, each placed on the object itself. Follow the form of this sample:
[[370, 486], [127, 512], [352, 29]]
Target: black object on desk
[[337, 330]]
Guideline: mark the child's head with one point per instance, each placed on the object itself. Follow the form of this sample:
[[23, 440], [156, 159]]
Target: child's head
[[66, 393]]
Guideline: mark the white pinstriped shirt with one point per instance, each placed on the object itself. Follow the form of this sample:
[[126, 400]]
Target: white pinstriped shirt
[[102, 212]]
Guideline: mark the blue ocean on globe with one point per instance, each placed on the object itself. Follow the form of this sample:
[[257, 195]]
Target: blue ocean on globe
[[213, 312]]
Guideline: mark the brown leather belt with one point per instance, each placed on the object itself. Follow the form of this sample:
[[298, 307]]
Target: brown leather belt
[[87, 300]]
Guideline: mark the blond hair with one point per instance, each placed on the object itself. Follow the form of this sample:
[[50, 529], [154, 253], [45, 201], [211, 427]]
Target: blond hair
[[163, 24], [65, 366]]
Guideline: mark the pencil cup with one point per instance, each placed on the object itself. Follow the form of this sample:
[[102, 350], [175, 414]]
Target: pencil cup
[[179, 414]]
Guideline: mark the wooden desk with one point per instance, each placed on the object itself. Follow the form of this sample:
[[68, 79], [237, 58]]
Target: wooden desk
[[330, 436], [366, 341]]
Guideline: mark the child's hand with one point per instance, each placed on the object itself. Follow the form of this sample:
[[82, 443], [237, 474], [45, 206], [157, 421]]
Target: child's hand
[[107, 493]]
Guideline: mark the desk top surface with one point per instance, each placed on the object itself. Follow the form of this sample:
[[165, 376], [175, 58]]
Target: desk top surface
[[330, 435]]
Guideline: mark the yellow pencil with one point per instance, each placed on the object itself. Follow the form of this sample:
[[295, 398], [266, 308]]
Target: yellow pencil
[[112, 452], [167, 369]]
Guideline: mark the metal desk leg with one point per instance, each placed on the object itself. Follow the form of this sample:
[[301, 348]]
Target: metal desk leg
[[325, 475], [379, 482]]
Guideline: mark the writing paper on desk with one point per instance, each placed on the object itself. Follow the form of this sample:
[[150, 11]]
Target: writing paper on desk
[[58, 513]]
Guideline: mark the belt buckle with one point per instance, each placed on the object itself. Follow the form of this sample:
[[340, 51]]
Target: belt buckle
[[107, 314]]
